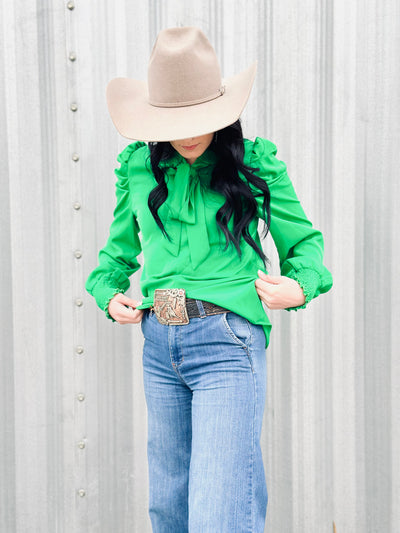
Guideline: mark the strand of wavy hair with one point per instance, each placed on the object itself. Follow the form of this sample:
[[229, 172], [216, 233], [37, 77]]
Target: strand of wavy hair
[[240, 198]]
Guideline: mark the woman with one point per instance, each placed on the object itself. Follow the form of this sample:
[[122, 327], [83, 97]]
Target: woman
[[190, 200]]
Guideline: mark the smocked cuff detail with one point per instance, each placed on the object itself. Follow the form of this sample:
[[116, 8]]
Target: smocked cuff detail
[[105, 288], [108, 300], [309, 281]]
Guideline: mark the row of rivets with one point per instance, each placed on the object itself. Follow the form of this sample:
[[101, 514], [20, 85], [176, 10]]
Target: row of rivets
[[78, 254]]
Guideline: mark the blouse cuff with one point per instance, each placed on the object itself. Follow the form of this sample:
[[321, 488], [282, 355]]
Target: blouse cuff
[[309, 281], [106, 288], [112, 293]]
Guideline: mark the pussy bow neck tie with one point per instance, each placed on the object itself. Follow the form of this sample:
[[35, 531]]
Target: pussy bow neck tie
[[186, 203]]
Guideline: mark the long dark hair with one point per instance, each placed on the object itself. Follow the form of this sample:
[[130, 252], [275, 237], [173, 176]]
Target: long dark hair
[[240, 202]]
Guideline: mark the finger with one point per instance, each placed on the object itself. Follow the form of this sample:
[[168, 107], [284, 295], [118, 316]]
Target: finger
[[265, 286], [129, 316], [137, 316], [262, 275], [260, 285], [133, 316], [269, 302], [267, 293], [127, 301], [263, 294], [119, 310]]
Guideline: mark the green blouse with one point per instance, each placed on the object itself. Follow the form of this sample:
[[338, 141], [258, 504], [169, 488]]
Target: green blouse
[[194, 257]]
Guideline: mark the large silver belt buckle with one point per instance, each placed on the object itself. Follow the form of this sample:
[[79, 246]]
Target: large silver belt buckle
[[170, 307]]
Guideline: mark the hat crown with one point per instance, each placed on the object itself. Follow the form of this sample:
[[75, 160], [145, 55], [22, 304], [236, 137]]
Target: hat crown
[[183, 69]]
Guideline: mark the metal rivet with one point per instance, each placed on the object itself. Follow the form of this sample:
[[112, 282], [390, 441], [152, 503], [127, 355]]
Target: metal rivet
[[72, 56], [80, 397], [78, 302], [73, 107], [77, 206], [81, 493], [70, 5], [79, 350], [78, 254], [81, 444], [75, 157]]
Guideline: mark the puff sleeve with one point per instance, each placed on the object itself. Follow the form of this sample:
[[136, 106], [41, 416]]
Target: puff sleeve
[[117, 260], [300, 246]]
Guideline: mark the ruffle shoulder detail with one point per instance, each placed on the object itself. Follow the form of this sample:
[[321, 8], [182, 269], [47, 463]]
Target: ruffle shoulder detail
[[260, 154], [127, 152], [124, 158]]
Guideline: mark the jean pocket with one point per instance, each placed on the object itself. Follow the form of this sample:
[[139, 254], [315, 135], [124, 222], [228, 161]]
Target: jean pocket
[[238, 329]]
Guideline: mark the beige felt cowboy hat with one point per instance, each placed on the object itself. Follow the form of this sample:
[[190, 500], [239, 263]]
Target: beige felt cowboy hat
[[184, 96]]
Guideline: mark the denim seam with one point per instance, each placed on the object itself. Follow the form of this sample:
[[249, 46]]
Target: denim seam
[[178, 339], [249, 347], [252, 524], [251, 466], [179, 345], [253, 452], [231, 333]]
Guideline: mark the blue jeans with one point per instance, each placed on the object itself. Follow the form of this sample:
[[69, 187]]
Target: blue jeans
[[205, 387]]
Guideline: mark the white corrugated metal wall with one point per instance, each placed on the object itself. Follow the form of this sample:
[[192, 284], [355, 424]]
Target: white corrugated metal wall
[[72, 410]]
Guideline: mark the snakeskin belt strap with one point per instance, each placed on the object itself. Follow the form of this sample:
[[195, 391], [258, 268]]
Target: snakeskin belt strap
[[171, 307]]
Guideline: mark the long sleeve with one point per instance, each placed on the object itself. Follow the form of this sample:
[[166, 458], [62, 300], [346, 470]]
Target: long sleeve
[[117, 261], [300, 246]]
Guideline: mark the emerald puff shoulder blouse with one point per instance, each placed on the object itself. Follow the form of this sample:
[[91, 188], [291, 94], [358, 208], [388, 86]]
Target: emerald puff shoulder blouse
[[195, 256]]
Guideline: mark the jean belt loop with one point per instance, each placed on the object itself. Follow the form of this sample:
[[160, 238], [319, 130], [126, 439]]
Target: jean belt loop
[[201, 308]]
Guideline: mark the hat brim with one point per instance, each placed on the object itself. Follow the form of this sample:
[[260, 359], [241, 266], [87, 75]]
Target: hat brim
[[136, 119]]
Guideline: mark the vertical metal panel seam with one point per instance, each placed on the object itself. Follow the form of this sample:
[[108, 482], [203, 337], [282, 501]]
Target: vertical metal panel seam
[[7, 370], [51, 323], [323, 173], [77, 297]]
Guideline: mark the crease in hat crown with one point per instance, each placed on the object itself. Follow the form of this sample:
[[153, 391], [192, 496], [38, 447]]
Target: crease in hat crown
[[183, 69]]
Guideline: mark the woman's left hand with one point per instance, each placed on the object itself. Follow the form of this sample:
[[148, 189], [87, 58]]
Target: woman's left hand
[[279, 292]]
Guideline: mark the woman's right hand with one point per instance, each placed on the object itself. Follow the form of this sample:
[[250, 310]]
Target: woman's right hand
[[123, 310]]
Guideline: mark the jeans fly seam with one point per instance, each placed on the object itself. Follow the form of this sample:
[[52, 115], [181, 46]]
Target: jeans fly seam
[[178, 338], [179, 346]]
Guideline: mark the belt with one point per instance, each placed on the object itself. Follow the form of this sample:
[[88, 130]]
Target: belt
[[171, 307], [209, 309]]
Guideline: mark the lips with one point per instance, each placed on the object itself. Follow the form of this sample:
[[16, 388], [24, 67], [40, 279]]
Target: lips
[[191, 147]]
